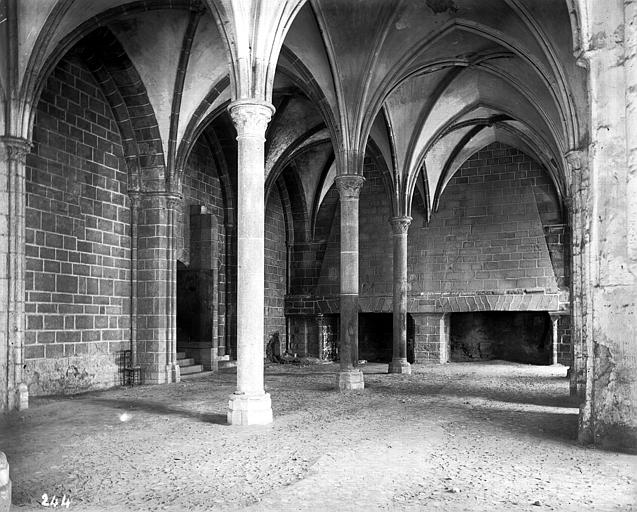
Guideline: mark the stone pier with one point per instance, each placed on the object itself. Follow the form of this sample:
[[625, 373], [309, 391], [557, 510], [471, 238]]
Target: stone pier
[[349, 187], [399, 364], [250, 404], [608, 416], [155, 295], [13, 392]]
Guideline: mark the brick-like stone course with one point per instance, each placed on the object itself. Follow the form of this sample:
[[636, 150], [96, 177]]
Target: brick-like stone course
[[77, 236], [275, 267], [488, 235]]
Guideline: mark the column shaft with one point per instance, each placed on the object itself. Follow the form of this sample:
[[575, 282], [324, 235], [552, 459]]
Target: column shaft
[[349, 187], [399, 364], [250, 404]]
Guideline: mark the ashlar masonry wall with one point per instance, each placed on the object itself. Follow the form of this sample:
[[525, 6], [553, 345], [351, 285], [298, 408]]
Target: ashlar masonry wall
[[78, 238], [275, 268]]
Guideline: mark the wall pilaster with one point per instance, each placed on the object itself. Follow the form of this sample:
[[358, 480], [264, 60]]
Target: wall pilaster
[[13, 152]]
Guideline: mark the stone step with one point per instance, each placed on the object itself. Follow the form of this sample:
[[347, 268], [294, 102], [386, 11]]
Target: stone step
[[203, 373], [186, 370], [185, 362], [181, 355]]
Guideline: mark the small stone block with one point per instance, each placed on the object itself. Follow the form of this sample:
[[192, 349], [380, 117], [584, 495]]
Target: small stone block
[[351, 380], [249, 410], [22, 397], [400, 366], [176, 373]]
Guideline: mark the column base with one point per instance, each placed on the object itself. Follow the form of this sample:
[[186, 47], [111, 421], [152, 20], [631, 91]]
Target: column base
[[351, 380], [249, 409], [173, 373], [400, 366]]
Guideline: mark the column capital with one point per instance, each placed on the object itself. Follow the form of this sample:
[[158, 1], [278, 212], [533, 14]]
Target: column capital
[[135, 196], [400, 225], [349, 185], [16, 148], [250, 117]]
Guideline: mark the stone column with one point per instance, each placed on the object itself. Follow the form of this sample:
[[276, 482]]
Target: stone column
[[349, 186], [13, 151], [399, 364], [555, 318], [250, 404]]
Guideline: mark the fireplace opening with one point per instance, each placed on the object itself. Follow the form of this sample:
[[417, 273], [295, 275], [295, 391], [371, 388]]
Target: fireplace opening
[[517, 336], [375, 337]]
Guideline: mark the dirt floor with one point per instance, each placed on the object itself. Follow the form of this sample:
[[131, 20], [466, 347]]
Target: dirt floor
[[464, 436]]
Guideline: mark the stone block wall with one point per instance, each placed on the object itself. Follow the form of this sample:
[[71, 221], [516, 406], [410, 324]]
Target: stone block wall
[[78, 238], [487, 234], [275, 268], [431, 337], [375, 238]]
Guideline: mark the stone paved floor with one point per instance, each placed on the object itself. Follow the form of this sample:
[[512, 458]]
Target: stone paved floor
[[466, 436]]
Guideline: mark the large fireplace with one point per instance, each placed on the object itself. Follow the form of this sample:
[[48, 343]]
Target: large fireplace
[[519, 336]]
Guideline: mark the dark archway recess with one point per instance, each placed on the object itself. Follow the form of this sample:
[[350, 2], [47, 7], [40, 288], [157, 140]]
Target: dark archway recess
[[517, 336], [190, 313], [375, 337]]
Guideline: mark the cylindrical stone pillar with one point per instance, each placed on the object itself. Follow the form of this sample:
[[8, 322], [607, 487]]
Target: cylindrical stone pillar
[[250, 404], [349, 186], [399, 364]]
